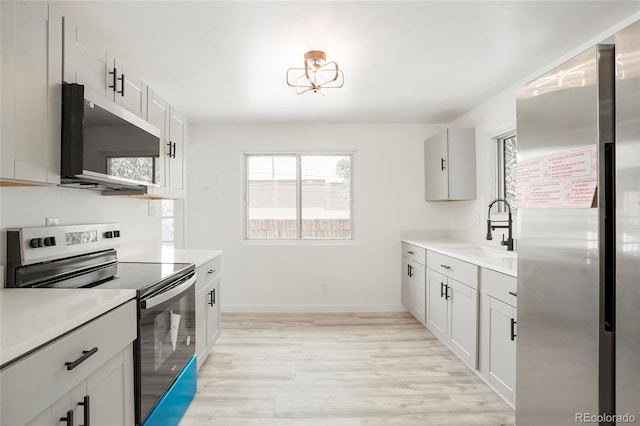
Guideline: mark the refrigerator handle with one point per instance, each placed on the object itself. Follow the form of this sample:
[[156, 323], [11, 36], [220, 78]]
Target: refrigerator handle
[[609, 238]]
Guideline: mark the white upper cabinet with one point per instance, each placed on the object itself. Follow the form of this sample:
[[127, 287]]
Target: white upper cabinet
[[177, 129], [90, 63], [31, 54], [131, 91], [86, 60], [158, 113], [450, 165]]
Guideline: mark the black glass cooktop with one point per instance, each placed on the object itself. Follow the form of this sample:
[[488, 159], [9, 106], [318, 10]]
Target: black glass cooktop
[[147, 277]]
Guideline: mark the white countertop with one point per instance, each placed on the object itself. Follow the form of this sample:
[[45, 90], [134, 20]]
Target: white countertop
[[502, 261], [29, 318], [170, 255]]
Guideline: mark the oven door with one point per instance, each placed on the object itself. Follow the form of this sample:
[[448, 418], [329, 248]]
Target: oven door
[[166, 340]]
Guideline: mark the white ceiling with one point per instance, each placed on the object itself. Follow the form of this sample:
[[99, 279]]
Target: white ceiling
[[420, 61]]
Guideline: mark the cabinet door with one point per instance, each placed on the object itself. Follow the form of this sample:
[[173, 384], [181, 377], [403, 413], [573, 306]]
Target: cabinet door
[[406, 284], [213, 313], [436, 304], [419, 292], [502, 350], [176, 172], [158, 115], [86, 61], [110, 391], [201, 325], [436, 167], [30, 94], [131, 91], [463, 322]]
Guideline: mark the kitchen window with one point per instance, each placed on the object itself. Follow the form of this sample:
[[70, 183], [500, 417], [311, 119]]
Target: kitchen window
[[506, 171], [168, 223], [299, 196]]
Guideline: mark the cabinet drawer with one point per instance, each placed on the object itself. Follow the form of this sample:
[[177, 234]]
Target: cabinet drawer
[[499, 286], [37, 381], [414, 253], [207, 271], [459, 270]]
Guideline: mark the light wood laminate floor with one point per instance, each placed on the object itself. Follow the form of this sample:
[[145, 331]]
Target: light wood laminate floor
[[380, 369]]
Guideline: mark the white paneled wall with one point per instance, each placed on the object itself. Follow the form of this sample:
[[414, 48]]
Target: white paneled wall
[[362, 275]]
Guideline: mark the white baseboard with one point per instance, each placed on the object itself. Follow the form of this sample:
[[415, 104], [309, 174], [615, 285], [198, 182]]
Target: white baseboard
[[312, 308]]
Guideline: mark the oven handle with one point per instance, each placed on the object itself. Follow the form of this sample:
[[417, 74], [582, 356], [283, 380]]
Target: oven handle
[[169, 294]]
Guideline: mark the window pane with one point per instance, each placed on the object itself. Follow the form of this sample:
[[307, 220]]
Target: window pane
[[167, 229], [136, 168], [167, 208], [271, 182], [326, 196], [509, 155]]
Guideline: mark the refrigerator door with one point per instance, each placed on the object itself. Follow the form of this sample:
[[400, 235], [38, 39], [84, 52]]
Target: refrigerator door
[[628, 221], [559, 250]]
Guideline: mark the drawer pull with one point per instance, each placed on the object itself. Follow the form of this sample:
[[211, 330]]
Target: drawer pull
[[86, 410], [410, 252], [446, 266], [513, 329], [514, 293], [83, 358], [211, 271], [68, 419]]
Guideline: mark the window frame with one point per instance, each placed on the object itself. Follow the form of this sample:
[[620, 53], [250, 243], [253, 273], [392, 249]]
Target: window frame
[[298, 156], [164, 242], [499, 183]]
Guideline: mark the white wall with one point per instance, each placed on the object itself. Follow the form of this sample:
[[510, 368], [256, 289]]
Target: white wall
[[467, 219], [29, 206], [363, 275]]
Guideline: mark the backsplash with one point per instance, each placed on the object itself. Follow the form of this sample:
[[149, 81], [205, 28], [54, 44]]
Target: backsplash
[[29, 206]]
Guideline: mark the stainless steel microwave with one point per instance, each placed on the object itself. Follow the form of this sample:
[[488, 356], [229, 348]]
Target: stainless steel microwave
[[105, 146]]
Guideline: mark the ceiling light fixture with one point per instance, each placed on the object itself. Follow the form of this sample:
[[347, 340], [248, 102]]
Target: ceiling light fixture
[[316, 75]]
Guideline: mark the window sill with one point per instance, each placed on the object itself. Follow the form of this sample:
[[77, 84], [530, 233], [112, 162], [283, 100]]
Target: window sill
[[290, 242]]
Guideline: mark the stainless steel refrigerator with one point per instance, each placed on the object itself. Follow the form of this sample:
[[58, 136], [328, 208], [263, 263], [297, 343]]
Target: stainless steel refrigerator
[[578, 331]]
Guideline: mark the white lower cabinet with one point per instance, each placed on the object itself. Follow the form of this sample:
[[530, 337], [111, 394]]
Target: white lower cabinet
[[413, 289], [452, 315], [419, 306], [207, 308], [498, 333], [85, 377]]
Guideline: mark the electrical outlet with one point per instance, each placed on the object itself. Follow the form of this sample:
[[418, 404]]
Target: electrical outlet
[[325, 288], [51, 221], [154, 208]]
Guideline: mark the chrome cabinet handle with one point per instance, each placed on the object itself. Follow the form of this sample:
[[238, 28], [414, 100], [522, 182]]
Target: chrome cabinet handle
[[83, 358], [410, 252], [446, 266], [514, 293], [513, 329], [211, 271]]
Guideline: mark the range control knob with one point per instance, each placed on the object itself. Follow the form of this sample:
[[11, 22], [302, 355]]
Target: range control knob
[[108, 234], [36, 242], [116, 234], [50, 241]]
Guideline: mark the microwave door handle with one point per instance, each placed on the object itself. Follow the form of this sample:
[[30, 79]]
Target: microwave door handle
[[169, 294]]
